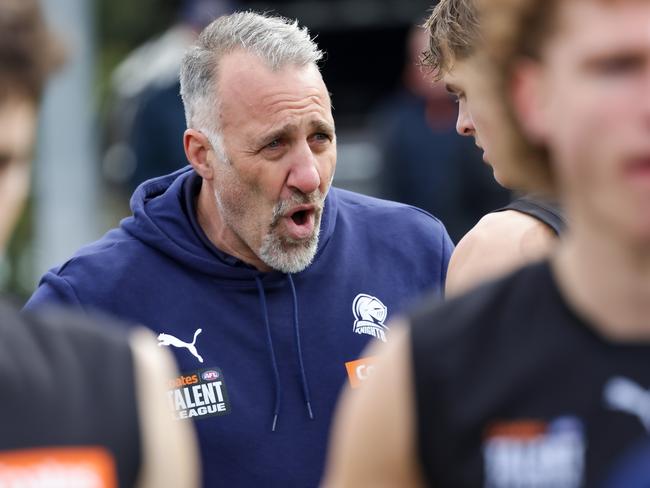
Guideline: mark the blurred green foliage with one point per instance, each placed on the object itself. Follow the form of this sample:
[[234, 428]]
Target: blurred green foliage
[[123, 25]]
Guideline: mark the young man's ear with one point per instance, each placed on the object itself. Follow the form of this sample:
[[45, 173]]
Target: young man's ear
[[529, 100], [199, 152]]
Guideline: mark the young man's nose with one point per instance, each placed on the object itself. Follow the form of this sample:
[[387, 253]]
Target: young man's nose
[[464, 123]]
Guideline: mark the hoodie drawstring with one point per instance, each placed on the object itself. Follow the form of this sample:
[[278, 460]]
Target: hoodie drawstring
[[296, 327], [269, 341]]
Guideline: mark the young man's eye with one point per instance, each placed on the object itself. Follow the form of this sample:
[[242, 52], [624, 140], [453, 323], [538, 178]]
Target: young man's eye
[[617, 65], [5, 161], [456, 97]]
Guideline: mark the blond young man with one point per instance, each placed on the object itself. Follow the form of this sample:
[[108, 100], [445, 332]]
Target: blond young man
[[523, 231], [541, 378]]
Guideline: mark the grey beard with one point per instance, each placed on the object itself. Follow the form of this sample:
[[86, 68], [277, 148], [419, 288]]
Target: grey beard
[[274, 253], [283, 253]]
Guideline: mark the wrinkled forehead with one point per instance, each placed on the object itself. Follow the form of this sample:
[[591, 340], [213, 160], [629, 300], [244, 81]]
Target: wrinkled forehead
[[248, 87], [244, 73]]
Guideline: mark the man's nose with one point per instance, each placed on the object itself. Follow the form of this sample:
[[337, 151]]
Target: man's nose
[[303, 174]]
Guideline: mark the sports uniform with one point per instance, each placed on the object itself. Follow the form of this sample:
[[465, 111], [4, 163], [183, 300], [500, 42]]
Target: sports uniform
[[79, 406], [513, 388], [260, 353], [541, 209], [56, 391]]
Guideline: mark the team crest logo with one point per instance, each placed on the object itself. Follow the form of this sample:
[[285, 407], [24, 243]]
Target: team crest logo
[[369, 313]]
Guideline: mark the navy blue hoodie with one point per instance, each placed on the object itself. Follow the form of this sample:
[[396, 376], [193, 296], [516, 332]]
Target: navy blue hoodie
[[263, 355]]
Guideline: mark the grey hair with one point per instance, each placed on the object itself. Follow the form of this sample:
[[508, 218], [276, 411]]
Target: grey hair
[[278, 41]]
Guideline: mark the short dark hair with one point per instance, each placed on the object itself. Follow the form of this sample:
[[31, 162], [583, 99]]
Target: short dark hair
[[29, 52], [453, 29]]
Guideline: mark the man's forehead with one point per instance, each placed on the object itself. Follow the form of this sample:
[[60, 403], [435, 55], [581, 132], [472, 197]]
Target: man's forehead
[[270, 99], [247, 74], [583, 21]]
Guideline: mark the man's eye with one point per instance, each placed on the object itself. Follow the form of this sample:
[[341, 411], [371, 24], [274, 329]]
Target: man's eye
[[274, 144], [321, 136]]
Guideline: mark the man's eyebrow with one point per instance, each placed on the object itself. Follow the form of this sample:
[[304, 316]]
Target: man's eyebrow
[[278, 133], [322, 126]]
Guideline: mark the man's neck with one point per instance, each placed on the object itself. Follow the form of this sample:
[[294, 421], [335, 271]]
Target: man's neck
[[606, 280], [219, 233]]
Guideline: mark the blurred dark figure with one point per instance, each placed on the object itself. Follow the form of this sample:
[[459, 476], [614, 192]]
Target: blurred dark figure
[[425, 162], [79, 401], [145, 132]]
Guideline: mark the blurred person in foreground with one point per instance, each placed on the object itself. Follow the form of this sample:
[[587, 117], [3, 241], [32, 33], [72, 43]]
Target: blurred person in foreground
[[526, 229], [424, 162], [80, 400], [264, 281], [540, 378]]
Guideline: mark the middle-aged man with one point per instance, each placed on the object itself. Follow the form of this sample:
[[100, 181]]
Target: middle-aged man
[[540, 379], [525, 230], [265, 282]]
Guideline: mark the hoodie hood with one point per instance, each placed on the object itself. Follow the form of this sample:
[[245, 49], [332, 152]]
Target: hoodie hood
[[164, 218]]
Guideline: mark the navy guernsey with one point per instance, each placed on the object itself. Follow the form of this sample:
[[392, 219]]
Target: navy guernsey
[[263, 356]]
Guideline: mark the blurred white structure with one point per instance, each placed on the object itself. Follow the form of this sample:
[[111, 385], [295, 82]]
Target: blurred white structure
[[65, 174]]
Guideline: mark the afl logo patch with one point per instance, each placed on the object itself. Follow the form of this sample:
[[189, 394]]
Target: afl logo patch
[[370, 313], [210, 375]]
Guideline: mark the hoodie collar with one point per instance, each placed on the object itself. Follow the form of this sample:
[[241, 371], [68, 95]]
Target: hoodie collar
[[164, 217]]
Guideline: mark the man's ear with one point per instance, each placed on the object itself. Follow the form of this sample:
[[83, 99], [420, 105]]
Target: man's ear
[[198, 150], [529, 100]]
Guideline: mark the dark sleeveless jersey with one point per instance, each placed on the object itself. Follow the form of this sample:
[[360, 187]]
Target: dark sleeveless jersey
[[513, 389], [65, 384], [542, 209]]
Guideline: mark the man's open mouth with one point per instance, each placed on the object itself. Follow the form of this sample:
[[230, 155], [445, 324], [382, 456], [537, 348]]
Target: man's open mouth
[[300, 221], [300, 216]]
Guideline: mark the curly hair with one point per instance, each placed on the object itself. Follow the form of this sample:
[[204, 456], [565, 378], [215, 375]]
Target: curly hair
[[453, 28], [29, 52]]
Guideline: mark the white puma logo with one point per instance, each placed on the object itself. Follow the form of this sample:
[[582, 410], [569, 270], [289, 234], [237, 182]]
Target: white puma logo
[[170, 340], [625, 395]]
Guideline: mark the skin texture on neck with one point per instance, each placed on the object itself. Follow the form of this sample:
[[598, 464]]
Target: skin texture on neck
[[220, 234], [607, 281]]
